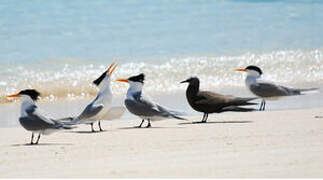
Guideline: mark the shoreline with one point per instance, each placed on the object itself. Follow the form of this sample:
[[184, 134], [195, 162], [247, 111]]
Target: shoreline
[[62, 108]]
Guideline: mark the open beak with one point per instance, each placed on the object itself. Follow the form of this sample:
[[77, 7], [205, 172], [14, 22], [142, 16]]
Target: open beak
[[122, 80], [244, 70], [111, 68], [14, 95]]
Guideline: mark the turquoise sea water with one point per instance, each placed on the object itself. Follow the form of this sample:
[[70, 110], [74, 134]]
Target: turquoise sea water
[[60, 46]]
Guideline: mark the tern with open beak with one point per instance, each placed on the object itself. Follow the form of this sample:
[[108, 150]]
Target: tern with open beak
[[210, 102], [146, 109], [101, 105], [267, 90], [32, 119]]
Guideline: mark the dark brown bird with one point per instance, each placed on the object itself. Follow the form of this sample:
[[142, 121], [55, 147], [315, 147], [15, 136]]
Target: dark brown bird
[[210, 102]]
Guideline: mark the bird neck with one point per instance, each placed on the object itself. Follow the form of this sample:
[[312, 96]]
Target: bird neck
[[135, 89], [105, 95], [192, 90], [251, 79], [27, 102], [105, 84]]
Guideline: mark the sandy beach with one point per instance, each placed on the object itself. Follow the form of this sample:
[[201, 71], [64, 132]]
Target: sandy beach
[[63, 49], [270, 144]]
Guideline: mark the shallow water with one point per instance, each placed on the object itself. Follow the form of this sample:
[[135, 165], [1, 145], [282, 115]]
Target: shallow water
[[59, 47], [73, 78], [134, 30]]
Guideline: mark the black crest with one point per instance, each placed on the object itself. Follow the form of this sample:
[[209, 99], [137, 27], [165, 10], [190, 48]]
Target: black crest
[[255, 68], [99, 80], [30, 92], [138, 78]]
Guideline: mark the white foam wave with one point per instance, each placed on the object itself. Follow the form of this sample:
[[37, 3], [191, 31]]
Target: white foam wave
[[72, 79]]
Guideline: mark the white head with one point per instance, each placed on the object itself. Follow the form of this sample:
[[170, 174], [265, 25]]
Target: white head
[[253, 71], [104, 80]]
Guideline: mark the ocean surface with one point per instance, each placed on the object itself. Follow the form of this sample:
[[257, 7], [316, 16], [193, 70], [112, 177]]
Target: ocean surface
[[59, 47]]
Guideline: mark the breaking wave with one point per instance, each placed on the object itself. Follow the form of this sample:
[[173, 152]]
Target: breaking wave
[[72, 78]]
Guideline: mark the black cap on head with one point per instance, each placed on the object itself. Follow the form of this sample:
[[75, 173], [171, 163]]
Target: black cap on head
[[99, 80], [255, 68], [138, 78], [30, 92]]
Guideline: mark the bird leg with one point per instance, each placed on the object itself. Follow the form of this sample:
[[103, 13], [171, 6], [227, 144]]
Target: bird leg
[[262, 105], [99, 123], [32, 138], [38, 138], [262, 102], [263, 108], [140, 124], [149, 125], [92, 127], [205, 116]]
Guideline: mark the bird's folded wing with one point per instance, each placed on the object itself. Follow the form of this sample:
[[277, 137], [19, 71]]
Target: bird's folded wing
[[114, 113], [268, 90], [147, 102], [35, 114], [211, 98], [66, 119], [90, 111]]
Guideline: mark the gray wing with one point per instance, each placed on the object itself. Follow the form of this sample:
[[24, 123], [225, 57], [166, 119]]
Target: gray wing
[[272, 90], [90, 111], [142, 107], [35, 121]]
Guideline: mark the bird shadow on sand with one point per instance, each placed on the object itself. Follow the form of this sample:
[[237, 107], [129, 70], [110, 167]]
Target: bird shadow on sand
[[42, 144], [216, 122], [135, 127], [88, 132]]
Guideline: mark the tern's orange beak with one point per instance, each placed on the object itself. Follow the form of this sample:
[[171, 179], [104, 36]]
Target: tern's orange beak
[[14, 95], [244, 70], [122, 80], [113, 68]]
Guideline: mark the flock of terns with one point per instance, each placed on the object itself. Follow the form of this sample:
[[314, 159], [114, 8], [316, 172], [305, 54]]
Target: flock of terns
[[100, 108]]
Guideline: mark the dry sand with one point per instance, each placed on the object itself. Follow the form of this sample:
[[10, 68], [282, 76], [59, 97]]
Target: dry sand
[[267, 144]]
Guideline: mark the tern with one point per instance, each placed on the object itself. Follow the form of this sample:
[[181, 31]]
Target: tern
[[141, 106], [101, 105], [31, 117], [210, 102], [267, 90]]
